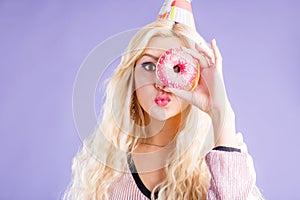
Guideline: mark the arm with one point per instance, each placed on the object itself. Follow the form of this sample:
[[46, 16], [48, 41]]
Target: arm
[[232, 175]]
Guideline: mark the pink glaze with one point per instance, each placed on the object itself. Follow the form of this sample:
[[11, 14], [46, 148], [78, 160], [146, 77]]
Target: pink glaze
[[185, 78], [162, 100]]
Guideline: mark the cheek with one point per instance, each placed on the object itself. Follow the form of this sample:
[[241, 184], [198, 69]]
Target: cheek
[[144, 96], [143, 78]]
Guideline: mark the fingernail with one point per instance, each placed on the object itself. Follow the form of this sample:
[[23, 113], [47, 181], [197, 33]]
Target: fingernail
[[214, 41]]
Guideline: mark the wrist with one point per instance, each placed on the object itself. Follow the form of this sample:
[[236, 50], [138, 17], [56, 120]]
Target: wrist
[[223, 122]]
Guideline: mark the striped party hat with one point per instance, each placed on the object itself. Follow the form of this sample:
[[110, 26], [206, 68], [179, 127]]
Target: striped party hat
[[178, 11]]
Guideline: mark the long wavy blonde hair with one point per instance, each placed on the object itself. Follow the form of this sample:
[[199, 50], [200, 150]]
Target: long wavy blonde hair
[[102, 159]]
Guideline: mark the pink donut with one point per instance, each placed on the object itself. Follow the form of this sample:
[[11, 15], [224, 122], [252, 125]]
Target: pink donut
[[177, 69]]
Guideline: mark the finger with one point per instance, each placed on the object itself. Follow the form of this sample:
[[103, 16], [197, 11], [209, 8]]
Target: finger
[[208, 53], [216, 51], [205, 49], [203, 62]]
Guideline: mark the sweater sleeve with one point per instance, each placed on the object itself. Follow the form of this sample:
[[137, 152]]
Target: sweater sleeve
[[232, 175]]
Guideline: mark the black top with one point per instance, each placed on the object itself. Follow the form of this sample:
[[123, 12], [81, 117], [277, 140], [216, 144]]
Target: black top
[[138, 180]]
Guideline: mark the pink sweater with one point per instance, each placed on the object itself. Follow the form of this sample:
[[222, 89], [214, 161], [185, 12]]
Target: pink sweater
[[232, 177]]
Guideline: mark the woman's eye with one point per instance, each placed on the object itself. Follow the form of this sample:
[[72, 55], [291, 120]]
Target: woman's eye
[[149, 66]]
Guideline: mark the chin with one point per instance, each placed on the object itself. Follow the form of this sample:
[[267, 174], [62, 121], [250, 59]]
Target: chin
[[160, 118], [162, 115]]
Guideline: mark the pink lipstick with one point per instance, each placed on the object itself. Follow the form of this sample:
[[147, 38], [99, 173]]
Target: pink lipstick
[[162, 100]]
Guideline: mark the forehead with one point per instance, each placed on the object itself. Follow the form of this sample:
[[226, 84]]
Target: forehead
[[158, 45]]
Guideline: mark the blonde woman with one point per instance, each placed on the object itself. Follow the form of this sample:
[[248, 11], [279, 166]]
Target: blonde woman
[[156, 142]]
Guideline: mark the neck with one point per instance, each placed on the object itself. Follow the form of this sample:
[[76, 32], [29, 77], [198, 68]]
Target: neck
[[161, 133]]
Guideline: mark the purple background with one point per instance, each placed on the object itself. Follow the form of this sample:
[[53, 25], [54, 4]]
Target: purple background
[[43, 43]]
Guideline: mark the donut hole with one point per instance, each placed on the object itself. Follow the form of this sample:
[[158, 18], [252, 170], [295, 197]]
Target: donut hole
[[176, 68]]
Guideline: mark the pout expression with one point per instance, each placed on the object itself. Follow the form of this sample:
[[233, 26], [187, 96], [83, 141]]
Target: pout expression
[[152, 97]]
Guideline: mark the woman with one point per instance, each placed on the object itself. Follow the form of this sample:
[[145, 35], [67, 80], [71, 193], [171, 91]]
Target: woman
[[156, 142]]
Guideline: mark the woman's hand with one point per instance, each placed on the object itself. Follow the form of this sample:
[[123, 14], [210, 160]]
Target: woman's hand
[[210, 94]]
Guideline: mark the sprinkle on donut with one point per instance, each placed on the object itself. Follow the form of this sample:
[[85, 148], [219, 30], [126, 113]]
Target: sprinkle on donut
[[177, 69]]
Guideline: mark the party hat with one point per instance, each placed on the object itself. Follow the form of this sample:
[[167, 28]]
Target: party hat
[[178, 11]]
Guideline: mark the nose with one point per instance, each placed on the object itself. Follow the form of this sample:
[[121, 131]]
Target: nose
[[159, 85]]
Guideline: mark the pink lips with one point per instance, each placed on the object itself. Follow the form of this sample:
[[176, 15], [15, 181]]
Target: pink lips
[[162, 99]]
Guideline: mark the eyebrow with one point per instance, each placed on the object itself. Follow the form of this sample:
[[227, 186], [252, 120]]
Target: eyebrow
[[151, 56]]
